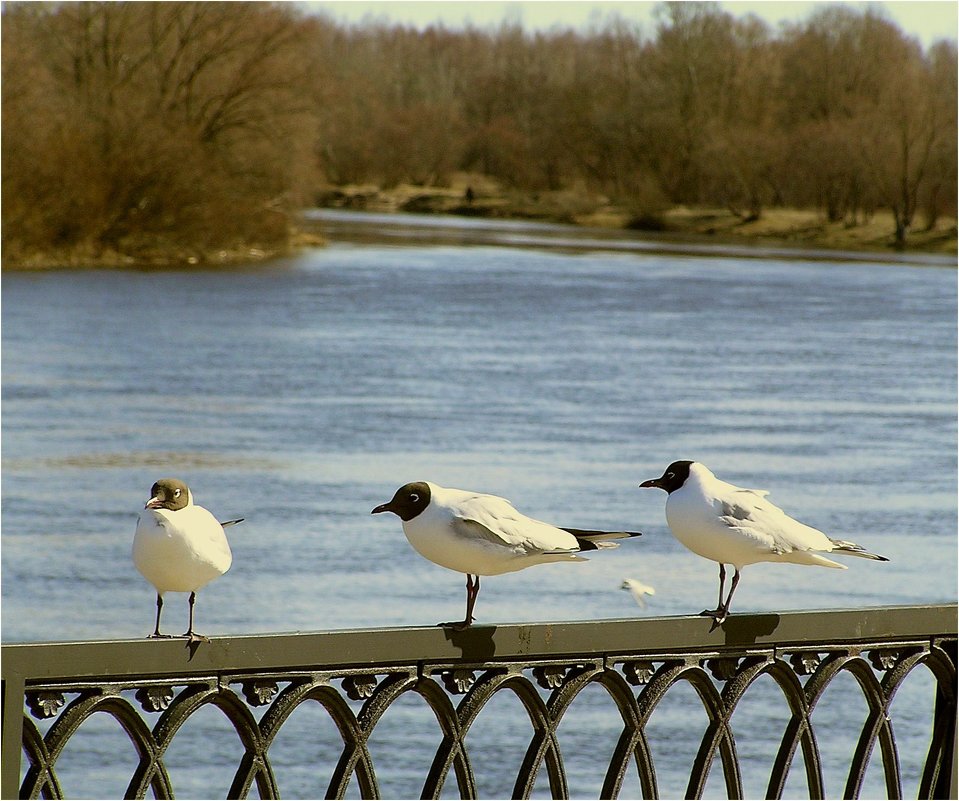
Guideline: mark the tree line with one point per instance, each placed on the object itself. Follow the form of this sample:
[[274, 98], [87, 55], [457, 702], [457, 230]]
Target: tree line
[[136, 126]]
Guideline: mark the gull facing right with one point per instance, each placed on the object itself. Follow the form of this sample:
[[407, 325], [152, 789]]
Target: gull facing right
[[739, 527]]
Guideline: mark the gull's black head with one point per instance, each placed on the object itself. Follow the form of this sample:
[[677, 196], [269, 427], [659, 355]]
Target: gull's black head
[[409, 501], [671, 480], [168, 493]]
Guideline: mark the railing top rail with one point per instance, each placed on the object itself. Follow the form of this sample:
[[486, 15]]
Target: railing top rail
[[332, 650]]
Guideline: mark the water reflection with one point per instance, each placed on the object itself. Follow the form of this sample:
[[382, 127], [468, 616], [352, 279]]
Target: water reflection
[[438, 229]]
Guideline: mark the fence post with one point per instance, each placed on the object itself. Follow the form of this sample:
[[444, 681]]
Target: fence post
[[12, 736], [944, 720]]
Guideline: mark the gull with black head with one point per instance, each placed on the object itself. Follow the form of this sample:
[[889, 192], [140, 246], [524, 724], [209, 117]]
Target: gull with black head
[[179, 546], [483, 535], [737, 526]]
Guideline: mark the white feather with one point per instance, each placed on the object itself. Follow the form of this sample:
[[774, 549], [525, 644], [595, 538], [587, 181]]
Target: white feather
[[180, 551], [484, 535], [730, 525], [638, 590]]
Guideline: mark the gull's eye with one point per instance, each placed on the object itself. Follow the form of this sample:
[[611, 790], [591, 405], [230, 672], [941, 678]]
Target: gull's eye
[[668, 475], [414, 497], [176, 493]]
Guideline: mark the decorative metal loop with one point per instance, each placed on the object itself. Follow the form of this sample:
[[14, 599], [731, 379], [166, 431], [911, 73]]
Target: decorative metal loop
[[41, 779], [254, 765], [937, 772], [798, 730], [355, 757], [719, 735], [543, 747], [452, 749], [876, 727], [149, 772], [632, 742]]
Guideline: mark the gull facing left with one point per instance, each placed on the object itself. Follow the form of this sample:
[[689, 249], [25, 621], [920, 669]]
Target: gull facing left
[[179, 546], [483, 535], [739, 527]]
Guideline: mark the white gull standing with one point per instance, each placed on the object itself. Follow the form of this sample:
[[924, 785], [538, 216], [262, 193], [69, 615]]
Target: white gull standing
[[483, 535], [739, 527], [179, 546]]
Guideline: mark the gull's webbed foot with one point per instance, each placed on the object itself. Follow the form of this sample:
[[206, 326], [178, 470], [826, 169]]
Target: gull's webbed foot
[[459, 625]]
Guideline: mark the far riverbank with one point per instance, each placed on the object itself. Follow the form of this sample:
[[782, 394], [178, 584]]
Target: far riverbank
[[476, 196]]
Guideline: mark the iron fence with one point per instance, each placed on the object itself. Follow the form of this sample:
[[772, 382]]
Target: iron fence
[[151, 688]]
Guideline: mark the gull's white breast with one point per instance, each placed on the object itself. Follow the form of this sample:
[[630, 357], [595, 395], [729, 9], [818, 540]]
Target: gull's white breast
[[693, 521], [180, 551]]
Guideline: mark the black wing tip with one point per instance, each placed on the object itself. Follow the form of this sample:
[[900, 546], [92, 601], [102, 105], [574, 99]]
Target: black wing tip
[[852, 549], [232, 522], [585, 545], [585, 538], [588, 533]]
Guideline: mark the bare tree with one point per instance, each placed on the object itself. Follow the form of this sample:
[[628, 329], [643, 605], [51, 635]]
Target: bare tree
[[181, 117], [902, 126]]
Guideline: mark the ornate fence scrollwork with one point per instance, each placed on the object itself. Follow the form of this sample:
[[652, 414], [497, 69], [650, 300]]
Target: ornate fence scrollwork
[[626, 663]]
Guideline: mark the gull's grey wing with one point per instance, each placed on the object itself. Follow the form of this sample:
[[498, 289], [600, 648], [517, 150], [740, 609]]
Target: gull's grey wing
[[768, 525], [493, 519]]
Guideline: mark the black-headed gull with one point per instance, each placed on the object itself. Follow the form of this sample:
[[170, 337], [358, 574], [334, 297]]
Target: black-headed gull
[[179, 546], [739, 527], [638, 589], [483, 535]]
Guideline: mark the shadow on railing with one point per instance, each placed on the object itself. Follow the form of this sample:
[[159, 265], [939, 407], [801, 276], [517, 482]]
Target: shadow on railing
[[151, 688]]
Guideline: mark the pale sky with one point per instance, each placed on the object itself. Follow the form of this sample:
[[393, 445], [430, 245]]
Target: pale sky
[[928, 20]]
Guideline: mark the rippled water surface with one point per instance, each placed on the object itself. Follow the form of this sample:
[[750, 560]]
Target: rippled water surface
[[559, 373]]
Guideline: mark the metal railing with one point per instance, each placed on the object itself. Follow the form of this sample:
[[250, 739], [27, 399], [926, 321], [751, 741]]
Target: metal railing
[[151, 688]]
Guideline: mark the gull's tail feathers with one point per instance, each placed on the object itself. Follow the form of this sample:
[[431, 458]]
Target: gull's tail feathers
[[850, 548], [590, 540]]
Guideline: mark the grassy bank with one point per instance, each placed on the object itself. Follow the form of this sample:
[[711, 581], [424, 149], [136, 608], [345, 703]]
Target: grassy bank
[[805, 228], [157, 255], [801, 228]]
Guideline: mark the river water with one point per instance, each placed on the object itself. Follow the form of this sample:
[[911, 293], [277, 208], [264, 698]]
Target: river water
[[554, 366]]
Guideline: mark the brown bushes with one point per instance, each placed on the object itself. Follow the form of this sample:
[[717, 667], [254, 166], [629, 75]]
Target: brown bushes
[[154, 127], [183, 128]]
